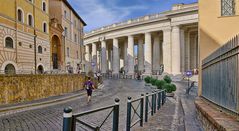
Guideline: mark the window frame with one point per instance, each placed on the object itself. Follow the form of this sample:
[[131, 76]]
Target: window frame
[[5, 42], [39, 49], [44, 2], [44, 29], [32, 22], [223, 8], [22, 17]]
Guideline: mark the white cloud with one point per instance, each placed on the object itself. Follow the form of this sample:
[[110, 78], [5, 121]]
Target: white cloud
[[97, 14]]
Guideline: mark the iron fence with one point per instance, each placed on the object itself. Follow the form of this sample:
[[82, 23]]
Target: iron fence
[[135, 113], [220, 76]]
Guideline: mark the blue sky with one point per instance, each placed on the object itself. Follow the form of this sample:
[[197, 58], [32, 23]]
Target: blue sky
[[98, 13]]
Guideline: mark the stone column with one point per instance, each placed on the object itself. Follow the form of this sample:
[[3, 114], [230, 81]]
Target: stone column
[[167, 51], [125, 55], [141, 54], [87, 58], [156, 53], [94, 56], [176, 50], [182, 47], [98, 60], [187, 51], [130, 51], [148, 53], [103, 57], [116, 58]]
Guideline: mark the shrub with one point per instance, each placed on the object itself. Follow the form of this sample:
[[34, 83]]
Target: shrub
[[169, 87], [167, 79], [153, 81], [147, 79], [173, 87], [160, 84]]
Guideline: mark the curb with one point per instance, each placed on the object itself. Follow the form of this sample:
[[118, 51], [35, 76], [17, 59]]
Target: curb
[[43, 103], [14, 108]]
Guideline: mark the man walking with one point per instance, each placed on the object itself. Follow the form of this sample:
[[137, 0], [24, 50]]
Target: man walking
[[89, 88]]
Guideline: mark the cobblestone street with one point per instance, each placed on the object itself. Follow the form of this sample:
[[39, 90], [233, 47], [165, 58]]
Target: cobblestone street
[[49, 118]]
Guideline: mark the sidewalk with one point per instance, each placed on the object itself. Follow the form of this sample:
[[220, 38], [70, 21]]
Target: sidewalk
[[19, 107]]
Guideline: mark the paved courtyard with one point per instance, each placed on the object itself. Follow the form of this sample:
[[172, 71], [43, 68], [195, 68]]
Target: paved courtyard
[[49, 118]]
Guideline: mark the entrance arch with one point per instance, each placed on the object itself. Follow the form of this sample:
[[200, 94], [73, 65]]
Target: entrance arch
[[56, 52], [10, 69], [40, 69]]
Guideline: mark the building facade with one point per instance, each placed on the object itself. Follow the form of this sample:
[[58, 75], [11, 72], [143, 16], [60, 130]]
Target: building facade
[[169, 39], [22, 34], [217, 25], [27, 45], [69, 38]]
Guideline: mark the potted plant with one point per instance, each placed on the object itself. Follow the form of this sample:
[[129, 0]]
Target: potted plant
[[160, 84], [167, 79], [153, 82], [147, 81], [170, 88]]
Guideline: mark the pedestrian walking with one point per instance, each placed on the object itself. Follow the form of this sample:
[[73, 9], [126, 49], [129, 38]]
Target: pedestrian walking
[[89, 88]]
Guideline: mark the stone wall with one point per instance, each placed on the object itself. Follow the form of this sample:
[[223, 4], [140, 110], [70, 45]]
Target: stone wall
[[214, 118], [21, 88]]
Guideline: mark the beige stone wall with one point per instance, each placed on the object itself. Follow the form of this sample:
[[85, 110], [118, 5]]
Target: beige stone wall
[[21, 88]]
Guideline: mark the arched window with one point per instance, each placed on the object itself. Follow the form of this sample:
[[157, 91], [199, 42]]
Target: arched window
[[10, 69], [30, 20], [19, 15], [44, 6], [44, 27], [40, 49], [8, 42]]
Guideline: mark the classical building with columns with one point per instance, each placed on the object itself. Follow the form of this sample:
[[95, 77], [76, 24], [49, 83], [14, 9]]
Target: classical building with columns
[[169, 38]]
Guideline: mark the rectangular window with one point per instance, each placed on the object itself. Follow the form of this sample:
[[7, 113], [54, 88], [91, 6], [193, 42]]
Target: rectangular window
[[66, 32], [65, 14], [75, 38], [227, 7], [68, 52]]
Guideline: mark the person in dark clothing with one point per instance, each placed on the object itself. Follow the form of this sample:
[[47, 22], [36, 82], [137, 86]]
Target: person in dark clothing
[[89, 88]]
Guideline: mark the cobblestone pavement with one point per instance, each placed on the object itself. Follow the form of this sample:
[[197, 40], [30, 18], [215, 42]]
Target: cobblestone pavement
[[50, 118], [178, 114]]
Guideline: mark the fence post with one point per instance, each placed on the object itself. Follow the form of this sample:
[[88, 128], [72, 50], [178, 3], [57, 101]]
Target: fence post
[[152, 104], [142, 110], [146, 107], [155, 101], [116, 116], [128, 121], [67, 119], [159, 99]]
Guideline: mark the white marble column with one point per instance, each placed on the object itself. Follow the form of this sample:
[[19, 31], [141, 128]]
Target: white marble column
[[103, 57], [87, 58], [156, 53], [187, 51], [87, 53], [141, 54], [125, 55], [94, 56], [98, 60], [130, 55], [116, 58], [182, 47], [167, 51], [148, 53], [176, 50]]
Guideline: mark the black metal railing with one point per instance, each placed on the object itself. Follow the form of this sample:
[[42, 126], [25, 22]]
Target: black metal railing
[[70, 124], [130, 122], [137, 112]]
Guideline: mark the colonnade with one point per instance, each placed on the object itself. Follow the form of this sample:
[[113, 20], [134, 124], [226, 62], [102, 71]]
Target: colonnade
[[175, 47]]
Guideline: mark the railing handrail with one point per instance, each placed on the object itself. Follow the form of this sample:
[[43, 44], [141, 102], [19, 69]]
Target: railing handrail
[[93, 111]]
